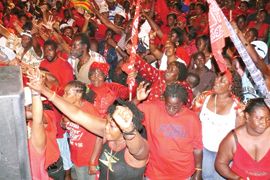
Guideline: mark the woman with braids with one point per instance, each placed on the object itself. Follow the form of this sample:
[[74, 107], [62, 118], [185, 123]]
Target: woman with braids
[[247, 147], [84, 146], [220, 112], [125, 152]]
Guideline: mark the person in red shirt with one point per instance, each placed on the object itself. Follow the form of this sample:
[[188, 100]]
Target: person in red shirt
[[63, 72], [43, 149], [56, 65], [260, 25], [176, 73], [171, 21], [200, 21], [97, 74], [84, 145], [245, 152], [230, 10], [174, 135]]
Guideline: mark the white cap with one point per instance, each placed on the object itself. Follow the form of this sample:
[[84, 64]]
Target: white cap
[[28, 96], [121, 12], [261, 48]]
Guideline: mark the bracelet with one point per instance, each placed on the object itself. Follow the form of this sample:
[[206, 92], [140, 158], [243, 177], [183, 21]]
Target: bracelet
[[35, 94], [52, 97], [130, 135], [198, 169], [152, 41], [116, 47]]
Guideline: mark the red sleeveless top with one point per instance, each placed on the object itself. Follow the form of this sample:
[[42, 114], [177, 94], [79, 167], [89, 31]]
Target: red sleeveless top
[[245, 166]]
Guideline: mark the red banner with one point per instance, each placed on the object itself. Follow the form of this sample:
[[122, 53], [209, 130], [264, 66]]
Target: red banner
[[218, 33]]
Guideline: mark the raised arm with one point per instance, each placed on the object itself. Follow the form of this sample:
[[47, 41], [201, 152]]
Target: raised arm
[[107, 22], [92, 123], [259, 62], [224, 157], [38, 135], [136, 144], [153, 48], [153, 25]]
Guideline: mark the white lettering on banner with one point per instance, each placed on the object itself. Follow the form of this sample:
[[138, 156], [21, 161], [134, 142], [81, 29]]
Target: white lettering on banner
[[216, 33]]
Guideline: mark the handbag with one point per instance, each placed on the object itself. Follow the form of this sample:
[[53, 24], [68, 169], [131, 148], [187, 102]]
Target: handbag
[[56, 170]]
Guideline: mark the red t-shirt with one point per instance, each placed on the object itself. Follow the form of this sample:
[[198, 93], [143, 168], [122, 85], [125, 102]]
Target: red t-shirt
[[234, 13], [261, 31], [52, 152], [172, 140], [101, 32], [61, 69], [82, 142], [79, 19], [106, 94]]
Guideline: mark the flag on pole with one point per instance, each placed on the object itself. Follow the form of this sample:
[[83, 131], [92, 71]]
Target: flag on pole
[[129, 67]]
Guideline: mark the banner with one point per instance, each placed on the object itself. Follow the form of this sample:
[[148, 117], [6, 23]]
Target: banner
[[218, 33]]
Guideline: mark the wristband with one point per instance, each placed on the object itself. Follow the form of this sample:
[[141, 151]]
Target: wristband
[[35, 94], [198, 169], [130, 132]]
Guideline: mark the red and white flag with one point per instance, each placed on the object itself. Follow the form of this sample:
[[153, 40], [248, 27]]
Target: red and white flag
[[129, 67], [218, 32]]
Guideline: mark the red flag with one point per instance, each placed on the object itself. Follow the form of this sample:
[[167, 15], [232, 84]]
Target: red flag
[[218, 32], [162, 10], [129, 68]]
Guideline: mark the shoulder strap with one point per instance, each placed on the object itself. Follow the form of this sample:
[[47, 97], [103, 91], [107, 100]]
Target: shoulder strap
[[235, 137]]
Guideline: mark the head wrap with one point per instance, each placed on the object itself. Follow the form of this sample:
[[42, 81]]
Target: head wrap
[[103, 67]]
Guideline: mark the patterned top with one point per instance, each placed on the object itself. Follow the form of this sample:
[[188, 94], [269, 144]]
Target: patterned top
[[156, 77]]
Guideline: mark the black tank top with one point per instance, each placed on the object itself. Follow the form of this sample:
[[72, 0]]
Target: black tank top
[[113, 165]]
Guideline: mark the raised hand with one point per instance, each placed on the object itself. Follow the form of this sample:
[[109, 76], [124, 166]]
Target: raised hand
[[36, 79], [152, 35], [49, 24], [87, 16], [123, 117], [142, 93]]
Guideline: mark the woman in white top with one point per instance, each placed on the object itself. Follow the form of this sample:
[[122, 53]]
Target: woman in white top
[[219, 114]]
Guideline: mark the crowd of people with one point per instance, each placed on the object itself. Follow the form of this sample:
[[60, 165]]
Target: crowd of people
[[182, 119]]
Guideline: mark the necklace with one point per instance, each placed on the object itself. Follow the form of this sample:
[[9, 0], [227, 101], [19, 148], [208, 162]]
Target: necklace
[[111, 159]]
